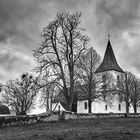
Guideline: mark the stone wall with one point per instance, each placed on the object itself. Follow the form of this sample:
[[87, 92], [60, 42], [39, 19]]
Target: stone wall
[[56, 116], [28, 119], [107, 115]]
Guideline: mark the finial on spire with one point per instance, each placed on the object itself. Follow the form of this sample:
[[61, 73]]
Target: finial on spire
[[108, 36]]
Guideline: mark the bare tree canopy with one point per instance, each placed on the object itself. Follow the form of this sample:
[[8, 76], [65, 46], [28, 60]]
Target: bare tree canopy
[[92, 85], [63, 43], [133, 90], [20, 94], [135, 94], [49, 91]]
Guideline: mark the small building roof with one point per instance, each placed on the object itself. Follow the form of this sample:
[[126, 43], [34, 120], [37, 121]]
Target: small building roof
[[78, 95], [109, 62], [4, 109]]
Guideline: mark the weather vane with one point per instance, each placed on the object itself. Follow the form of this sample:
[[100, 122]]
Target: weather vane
[[108, 36]]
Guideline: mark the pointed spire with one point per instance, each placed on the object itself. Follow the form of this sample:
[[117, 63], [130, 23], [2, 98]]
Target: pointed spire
[[109, 62]]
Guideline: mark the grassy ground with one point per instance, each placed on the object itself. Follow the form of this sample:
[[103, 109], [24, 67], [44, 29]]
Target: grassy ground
[[90, 129]]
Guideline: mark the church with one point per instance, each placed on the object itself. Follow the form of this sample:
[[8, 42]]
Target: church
[[80, 104]]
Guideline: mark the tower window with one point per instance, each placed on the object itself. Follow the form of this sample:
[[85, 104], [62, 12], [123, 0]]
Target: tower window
[[59, 107], [119, 107], [105, 107], [104, 79], [118, 79], [85, 105]]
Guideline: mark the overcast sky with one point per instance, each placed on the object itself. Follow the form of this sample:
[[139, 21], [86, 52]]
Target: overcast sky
[[21, 23]]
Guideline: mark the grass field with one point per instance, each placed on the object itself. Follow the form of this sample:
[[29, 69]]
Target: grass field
[[82, 129]]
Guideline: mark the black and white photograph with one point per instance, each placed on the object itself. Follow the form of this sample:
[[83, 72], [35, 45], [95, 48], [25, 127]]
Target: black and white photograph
[[69, 69]]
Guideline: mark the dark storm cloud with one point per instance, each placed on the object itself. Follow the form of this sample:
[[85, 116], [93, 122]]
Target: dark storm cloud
[[11, 12], [121, 19], [14, 62], [12, 65], [21, 23], [21, 19], [117, 15], [17, 26]]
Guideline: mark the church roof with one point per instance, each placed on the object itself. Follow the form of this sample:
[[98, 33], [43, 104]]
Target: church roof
[[78, 95], [109, 62], [4, 109]]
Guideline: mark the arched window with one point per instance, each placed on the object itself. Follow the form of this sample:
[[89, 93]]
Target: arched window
[[104, 79], [118, 79], [58, 107], [85, 105], [119, 107], [105, 107]]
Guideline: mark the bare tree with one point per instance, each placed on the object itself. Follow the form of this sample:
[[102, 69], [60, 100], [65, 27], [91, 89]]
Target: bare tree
[[49, 88], [133, 90], [120, 87], [63, 44], [92, 85], [49, 91], [20, 94], [135, 93]]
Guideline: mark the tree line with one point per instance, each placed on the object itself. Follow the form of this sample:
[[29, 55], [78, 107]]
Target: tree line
[[64, 61]]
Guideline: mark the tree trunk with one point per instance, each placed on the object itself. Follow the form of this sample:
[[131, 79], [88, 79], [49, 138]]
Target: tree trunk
[[135, 109], [71, 88], [47, 105], [89, 106], [127, 95], [51, 103], [69, 105]]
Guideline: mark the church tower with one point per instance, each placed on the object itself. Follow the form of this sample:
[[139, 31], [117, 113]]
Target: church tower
[[109, 61]]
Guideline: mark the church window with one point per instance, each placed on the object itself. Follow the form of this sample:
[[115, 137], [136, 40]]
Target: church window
[[119, 107], [85, 105], [59, 107], [118, 79], [105, 107], [104, 79]]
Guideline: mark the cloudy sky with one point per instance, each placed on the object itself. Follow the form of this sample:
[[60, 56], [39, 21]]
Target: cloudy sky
[[21, 23]]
